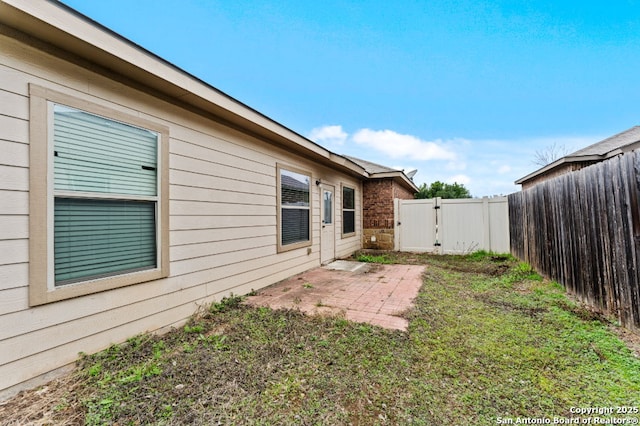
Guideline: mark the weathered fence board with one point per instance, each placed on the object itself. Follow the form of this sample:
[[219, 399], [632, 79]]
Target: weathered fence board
[[582, 229]]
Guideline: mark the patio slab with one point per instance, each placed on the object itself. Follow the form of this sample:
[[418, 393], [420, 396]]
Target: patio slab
[[368, 293]]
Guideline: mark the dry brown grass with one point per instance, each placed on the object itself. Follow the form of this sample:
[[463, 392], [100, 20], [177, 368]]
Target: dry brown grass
[[55, 403]]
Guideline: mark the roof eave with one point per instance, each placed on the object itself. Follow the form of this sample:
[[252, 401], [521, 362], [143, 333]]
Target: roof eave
[[64, 28], [564, 160], [398, 177]]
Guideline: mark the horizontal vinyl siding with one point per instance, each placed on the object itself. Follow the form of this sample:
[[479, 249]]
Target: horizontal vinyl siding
[[200, 180], [14, 178], [199, 250], [195, 165], [13, 300], [210, 208], [14, 129], [14, 227], [222, 235], [346, 246], [14, 154], [232, 164], [219, 195], [13, 104], [14, 275], [223, 230], [14, 251], [14, 201], [14, 204], [205, 222]]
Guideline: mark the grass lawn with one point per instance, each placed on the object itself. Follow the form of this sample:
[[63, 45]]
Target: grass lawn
[[489, 342]]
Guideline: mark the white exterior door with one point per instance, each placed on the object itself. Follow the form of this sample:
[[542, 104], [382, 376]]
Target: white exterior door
[[327, 234]]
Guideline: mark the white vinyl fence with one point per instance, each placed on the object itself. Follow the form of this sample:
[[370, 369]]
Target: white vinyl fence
[[452, 226]]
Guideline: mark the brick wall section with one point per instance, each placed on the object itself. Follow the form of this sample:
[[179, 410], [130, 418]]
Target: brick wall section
[[402, 193], [377, 200], [377, 204]]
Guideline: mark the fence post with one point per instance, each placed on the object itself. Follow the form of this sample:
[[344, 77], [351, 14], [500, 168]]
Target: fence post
[[438, 244], [486, 223], [396, 224]]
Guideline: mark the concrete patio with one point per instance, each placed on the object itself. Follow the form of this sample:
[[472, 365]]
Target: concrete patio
[[368, 293]]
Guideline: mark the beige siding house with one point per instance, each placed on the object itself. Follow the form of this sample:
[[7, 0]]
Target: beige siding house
[[131, 193]]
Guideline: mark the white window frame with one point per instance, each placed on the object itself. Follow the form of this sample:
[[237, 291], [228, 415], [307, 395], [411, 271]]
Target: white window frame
[[42, 287]]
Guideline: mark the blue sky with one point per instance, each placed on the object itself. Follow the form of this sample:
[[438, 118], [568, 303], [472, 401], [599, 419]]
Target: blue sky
[[463, 91]]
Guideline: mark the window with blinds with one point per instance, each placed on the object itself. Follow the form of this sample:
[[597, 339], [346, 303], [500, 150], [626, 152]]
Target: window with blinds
[[294, 204], [105, 196], [348, 210]]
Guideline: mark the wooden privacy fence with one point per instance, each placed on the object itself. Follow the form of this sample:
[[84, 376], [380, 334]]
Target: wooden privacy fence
[[582, 229], [452, 226]]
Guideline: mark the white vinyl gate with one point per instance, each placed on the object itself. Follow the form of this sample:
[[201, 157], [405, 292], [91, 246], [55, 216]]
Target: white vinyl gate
[[452, 226]]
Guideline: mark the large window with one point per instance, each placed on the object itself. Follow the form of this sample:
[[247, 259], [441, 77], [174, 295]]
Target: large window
[[106, 196], [348, 211], [105, 214], [294, 208]]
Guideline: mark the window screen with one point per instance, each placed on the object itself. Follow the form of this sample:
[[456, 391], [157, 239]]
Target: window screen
[[105, 196], [294, 205], [348, 210], [95, 154]]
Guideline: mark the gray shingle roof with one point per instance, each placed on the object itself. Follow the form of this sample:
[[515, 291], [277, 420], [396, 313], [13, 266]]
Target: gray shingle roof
[[612, 143], [379, 171], [370, 167]]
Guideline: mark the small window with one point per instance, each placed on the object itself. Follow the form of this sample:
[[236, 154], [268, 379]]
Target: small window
[[328, 207], [348, 210], [99, 195], [294, 208]]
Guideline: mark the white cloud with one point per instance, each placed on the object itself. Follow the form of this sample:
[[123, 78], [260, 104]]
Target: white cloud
[[396, 145], [329, 134], [461, 179], [456, 165], [484, 166]]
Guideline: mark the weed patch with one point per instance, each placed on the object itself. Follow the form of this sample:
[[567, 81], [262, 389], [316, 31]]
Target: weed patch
[[369, 258], [487, 338], [226, 304]]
